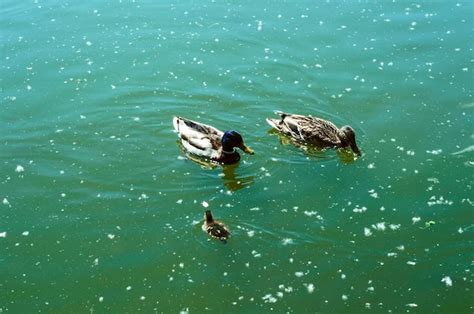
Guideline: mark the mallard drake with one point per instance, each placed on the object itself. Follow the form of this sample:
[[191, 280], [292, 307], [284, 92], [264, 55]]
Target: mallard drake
[[315, 131], [208, 142], [215, 228]]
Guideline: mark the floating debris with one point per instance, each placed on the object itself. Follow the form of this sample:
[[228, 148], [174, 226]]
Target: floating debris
[[310, 287], [447, 280], [367, 232]]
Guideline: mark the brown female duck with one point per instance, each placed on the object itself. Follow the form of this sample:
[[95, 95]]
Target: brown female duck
[[315, 131]]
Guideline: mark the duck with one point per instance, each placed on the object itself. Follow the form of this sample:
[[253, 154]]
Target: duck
[[315, 131], [208, 142], [215, 228]]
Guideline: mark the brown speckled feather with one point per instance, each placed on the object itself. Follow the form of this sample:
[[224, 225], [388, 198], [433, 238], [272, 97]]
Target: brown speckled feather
[[309, 129], [217, 230]]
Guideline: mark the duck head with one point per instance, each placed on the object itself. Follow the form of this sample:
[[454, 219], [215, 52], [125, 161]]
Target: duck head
[[232, 139], [347, 136], [208, 216]]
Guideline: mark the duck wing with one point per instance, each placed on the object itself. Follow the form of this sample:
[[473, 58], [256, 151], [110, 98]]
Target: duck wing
[[198, 138], [183, 125], [308, 129]]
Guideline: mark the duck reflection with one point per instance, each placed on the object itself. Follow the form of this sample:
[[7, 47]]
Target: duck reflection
[[232, 181]]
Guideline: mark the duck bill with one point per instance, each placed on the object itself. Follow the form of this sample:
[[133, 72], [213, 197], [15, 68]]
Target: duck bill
[[246, 149], [356, 150]]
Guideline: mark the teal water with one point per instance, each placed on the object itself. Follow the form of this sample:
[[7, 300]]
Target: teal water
[[101, 210]]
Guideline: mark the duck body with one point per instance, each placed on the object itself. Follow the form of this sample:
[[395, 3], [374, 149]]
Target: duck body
[[315, 131], [208, 142], [215, 228]]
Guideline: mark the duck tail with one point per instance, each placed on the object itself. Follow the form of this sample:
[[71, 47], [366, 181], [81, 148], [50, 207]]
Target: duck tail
[[273, 123], [281, 114], [176, 123]]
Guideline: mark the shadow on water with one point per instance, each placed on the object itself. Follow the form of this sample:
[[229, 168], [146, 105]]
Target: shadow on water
[[231, 179], [315, 152]]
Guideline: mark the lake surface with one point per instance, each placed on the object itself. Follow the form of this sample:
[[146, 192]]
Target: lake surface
[[101, 210]]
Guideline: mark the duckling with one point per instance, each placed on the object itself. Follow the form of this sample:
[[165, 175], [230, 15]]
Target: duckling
[[208, 142], [215, 228], [315, 131]]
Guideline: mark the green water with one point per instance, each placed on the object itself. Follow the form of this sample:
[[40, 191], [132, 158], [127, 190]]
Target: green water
[[101, 211]]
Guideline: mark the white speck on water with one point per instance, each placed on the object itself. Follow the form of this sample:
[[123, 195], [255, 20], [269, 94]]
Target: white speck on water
[[256, 254], [101, 299], [128, 288], [358, 209], [82, 116], [415, 219], [380, 226], [447, 280], [143, 197], [19, 168], [181, 265], [251, 233], [142, 298], [371, 166], [299, 274], [287, 241], [394, 226], [411, 263], [412, 305], [111, 236], [113, 86], [96, 262], [88, 43], [184, 311], [5, 201], [313, 213], [367, 232], [259, 25], [3, 234], [268, 298], [63, 194], [254, 209], [310, 287], [180, 201], [373, 194], [344, 297], [440, 201], [435, 151], [25, 233], [205, 204]]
